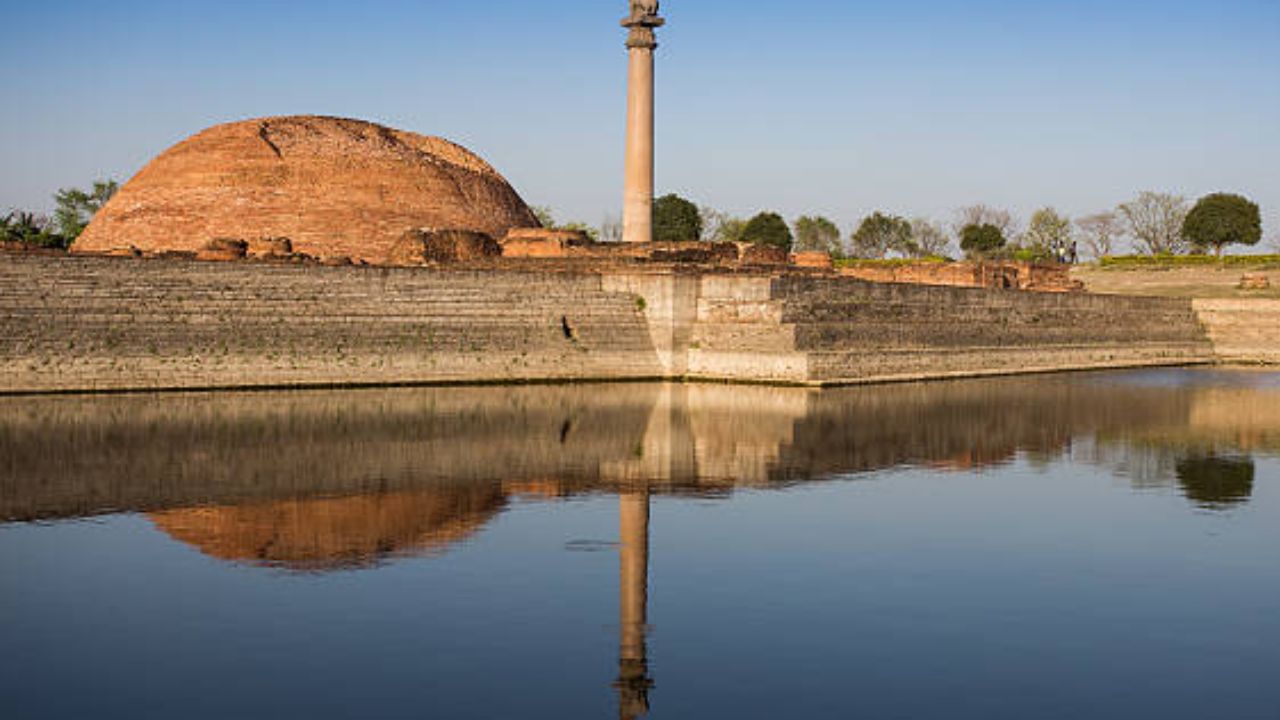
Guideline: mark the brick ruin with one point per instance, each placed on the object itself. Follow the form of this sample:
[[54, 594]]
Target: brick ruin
[[331, 191]]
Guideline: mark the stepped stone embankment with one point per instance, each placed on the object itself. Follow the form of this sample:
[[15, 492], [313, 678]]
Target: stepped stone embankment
[[79, 323]]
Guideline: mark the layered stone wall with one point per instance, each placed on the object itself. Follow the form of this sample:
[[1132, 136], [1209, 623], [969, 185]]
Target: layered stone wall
[[1243, 330], [85, 323], [836, 331], [89, 323]]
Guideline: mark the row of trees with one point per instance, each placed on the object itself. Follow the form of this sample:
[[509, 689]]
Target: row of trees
[[73, 209], [1153, 223]]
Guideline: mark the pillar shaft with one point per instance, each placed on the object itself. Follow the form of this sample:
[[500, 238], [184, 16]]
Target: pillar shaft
[[633, 681], [637, 213], [634, 586]]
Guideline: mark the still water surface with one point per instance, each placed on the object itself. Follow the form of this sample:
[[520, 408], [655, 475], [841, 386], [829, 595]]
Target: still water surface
[[1077, 546]]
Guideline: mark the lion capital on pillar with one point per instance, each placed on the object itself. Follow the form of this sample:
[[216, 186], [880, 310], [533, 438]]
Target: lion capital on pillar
[[642, 21]]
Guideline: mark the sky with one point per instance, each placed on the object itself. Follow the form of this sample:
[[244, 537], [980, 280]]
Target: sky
[[835, 107]]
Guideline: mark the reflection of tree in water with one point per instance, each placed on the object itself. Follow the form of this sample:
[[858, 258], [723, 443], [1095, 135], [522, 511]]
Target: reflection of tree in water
[[1216, 483]]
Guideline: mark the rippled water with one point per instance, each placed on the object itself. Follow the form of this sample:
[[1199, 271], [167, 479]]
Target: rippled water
[[1077, 546]]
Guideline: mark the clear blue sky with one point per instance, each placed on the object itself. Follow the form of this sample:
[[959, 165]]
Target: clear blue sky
[[837, 107]]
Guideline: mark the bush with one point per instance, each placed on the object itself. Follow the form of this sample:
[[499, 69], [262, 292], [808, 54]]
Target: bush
[[1133, 262], [676, 219], [768, 228]]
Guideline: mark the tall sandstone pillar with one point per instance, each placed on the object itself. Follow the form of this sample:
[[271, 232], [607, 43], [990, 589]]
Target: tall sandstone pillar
[[637, 207]]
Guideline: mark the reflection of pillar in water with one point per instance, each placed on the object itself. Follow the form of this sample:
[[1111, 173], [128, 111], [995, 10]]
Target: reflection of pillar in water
[[633, 671]]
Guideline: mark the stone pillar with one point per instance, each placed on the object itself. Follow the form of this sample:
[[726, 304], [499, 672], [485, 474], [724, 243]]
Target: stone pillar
[[633, 682], [637, 203]]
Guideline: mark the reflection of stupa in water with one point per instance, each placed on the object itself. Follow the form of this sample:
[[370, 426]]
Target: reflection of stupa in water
[[334, 533]]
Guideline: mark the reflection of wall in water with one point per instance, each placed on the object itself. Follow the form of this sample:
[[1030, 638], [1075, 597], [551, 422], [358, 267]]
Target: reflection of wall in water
[[72, 456]]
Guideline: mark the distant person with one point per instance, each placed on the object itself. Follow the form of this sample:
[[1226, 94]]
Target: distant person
[[1075, 252]]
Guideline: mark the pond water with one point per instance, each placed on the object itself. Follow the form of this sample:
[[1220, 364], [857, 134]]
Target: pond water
[[1100, 545]]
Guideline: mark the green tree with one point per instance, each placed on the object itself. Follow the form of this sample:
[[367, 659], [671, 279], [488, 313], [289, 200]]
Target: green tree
[[767, 228], [981, 239], [75, 207], [818, 234], [31, 229], [1222, 219], [1047, 231], [676, 219], [878, 234]]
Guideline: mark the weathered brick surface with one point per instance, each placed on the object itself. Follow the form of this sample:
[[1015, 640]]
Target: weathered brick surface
[[334, 187], [424, 246], [1038, 277]]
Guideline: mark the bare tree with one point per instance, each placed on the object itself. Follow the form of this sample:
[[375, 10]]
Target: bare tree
[[1154, 221], [929, 239], [1048, 232], [719, 226], [986, 215], [1100, 232], [712, 221], [611, 229]]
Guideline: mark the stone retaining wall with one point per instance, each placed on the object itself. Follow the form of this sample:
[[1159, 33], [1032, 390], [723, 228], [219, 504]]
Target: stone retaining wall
[[1243, 330], [84, 323], [90, 323]]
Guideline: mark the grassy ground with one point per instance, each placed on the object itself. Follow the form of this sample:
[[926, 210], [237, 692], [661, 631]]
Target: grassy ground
[[1202, 280]]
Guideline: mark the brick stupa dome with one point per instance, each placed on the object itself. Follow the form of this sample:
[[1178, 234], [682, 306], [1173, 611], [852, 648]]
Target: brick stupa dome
[[334, 187]]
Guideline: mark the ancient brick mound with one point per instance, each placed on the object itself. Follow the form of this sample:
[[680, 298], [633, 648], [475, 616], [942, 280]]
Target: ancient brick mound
[[333, 187], [424, 246], [334, 533]]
